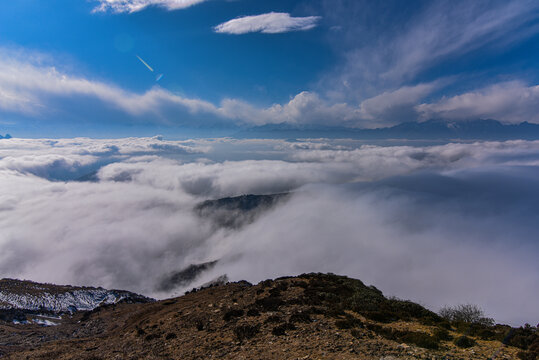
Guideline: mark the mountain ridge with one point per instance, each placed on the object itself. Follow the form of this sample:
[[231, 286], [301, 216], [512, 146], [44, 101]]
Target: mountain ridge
[[433, 129], [310, 316]]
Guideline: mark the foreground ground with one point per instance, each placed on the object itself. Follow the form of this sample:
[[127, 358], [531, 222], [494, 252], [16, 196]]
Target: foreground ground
[[312, 316]]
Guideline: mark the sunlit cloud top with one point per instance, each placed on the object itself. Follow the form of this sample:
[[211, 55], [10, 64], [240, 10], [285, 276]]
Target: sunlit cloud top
[[271, 23], [130, 6]]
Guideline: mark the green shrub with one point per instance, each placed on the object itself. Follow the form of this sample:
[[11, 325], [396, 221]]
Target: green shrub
[[199, 324], [278, 331], [343, 324], [153, 336], [270, 303], [233, 313], [356, 333], [275, 292], [523, 338], [383, 331], [300, 317], [525, 355], [273, 319], [140, 331], [316, 310], [281, 329], [442, 334], [381, 316], [245, 332], [464, 342], [266, 283], [487, 334], [253, 312], [420, 339], [348, 323], [339, 294]]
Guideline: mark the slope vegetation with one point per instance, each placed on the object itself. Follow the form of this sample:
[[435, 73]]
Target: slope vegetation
[[312, 316]]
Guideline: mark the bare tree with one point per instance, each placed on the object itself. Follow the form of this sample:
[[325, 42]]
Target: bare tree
[[467, 313]]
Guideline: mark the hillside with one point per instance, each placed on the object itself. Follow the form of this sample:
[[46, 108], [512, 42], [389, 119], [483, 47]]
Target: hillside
[[235, 212], [313, 316]]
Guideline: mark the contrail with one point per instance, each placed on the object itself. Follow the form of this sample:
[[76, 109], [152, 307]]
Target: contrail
[[144, 62]]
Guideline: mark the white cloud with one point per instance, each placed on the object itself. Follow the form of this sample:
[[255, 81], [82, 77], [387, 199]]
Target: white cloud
[[304, 108], [511, 102], [120, 6], [29, 86], [270, 23], [439, 224], [36, 89], [395, 106], [65, 159]]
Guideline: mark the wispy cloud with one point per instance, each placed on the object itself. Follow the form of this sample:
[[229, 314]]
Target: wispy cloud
[[447, 29], [271, 23], [130, 6], [396, 50]]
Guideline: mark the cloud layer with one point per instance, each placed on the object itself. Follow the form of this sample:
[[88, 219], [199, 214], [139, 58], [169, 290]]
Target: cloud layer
[[511, 102], [31, 86], [270, 23], [130, 6], [438, 224], [36, 88]]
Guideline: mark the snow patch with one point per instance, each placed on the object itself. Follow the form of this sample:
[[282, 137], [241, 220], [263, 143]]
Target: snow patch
[[44, 322], [87, 299]]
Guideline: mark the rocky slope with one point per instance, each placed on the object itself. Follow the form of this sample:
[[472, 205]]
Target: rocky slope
[[313, 316], [31, 303], [28, 295]]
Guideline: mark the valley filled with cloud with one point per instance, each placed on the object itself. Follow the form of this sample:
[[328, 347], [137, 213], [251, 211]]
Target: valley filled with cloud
[[269, 179], [438, 224]]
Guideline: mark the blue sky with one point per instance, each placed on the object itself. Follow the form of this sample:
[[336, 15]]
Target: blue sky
[[69, 67]]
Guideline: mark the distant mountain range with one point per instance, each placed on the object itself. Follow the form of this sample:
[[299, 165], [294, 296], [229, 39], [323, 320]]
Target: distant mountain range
[[427, 130]]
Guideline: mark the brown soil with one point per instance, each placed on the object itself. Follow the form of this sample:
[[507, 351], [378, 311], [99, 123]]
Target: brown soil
[[272, 320]]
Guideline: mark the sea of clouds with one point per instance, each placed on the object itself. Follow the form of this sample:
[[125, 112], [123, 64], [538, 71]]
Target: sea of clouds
[[437, 224]]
